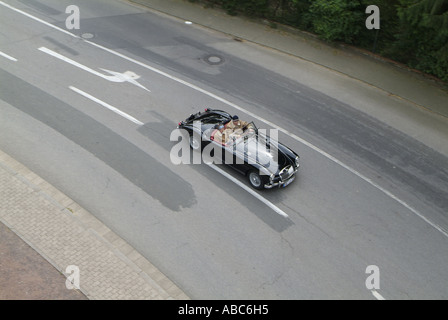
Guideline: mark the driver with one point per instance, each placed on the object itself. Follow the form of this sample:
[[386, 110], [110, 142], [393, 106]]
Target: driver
[[236, 123]]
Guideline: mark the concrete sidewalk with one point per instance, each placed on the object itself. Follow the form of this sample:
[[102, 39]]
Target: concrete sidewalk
[[66, 235], [391, 77]]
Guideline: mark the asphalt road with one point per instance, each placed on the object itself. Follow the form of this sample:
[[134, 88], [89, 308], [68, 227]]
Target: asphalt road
[[379, 204]]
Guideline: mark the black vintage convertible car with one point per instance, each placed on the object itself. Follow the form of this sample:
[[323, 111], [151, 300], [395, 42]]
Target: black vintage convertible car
[[266, 162]]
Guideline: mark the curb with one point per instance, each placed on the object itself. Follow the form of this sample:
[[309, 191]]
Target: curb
[[157, 285]]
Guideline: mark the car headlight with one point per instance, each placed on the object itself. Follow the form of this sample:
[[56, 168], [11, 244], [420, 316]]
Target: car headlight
[[297, 162]]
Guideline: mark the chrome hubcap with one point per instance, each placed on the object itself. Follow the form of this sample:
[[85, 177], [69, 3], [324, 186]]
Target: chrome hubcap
[[194, 143], [255, 179]]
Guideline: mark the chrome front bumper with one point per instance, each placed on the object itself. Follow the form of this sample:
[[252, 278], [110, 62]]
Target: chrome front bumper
[[281, 183]]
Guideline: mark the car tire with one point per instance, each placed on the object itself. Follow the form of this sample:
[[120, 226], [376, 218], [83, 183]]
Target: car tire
[[195, 143], [255, 180]]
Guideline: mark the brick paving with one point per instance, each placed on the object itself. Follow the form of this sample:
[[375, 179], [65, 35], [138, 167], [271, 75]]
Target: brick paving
[[65, 234], [26, 275]]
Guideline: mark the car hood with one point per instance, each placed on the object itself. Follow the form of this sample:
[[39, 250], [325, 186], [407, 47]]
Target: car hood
[[264, 152]]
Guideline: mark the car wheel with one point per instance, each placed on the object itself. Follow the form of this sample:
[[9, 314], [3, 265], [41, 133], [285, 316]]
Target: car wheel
[[255, 180], [195, 143]]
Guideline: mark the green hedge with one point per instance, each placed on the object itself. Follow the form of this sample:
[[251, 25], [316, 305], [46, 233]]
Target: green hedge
[[414, 32]]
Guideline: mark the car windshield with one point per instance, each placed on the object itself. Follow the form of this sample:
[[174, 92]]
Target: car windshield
[[250, 128]]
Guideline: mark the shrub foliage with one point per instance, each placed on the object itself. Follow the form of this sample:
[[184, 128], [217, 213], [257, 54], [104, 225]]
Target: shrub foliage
[[414, 32]]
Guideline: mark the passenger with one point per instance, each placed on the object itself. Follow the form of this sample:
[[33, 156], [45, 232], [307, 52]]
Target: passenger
[[221, 134]]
